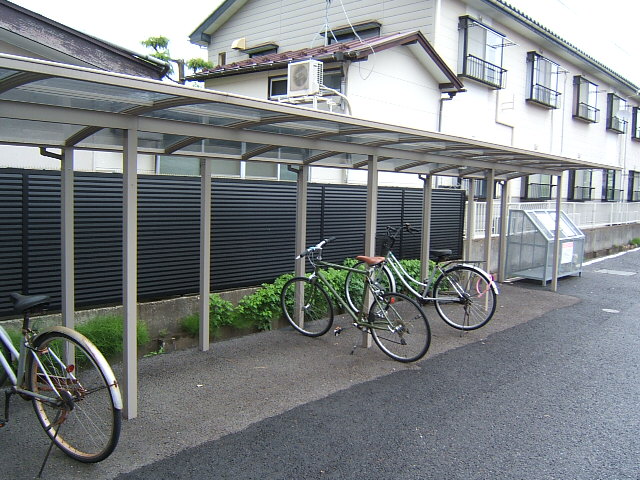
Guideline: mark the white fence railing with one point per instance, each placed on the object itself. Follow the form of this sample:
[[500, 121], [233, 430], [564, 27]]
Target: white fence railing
[[584, 215]]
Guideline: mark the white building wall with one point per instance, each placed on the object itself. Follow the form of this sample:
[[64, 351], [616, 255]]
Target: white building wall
[[392, 87], [297, 24]]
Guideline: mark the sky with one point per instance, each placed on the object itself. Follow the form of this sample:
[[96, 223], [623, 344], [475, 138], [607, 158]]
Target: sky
[[604, 30]]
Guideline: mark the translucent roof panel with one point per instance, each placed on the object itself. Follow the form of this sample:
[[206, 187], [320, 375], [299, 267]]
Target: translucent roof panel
[[79, 94], [48, 104]]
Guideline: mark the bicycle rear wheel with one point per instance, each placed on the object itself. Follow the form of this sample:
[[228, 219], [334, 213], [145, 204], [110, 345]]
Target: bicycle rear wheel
[[465, 298], [312, 313], [399, 327], [83, 414], [354, 283]]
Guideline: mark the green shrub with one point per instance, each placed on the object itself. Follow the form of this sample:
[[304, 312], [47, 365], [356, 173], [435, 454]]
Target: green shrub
[[106, 333], [221, 313], [262, 307], [635, 241]]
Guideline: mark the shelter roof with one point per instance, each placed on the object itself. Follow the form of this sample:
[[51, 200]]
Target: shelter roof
[[54, 105]]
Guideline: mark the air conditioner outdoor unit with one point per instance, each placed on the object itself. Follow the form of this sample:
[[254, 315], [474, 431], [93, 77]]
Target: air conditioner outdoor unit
[[304, 78]]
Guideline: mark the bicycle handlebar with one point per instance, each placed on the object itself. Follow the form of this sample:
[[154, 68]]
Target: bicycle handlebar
[[315, 247], [393, 231]]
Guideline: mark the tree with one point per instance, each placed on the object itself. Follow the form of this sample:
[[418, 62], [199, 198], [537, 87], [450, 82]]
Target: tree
[[160, 46]]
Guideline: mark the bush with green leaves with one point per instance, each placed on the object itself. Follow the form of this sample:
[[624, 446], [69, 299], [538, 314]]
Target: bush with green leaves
[[106, 333], [635, 241], [221, 313], [262, 307]]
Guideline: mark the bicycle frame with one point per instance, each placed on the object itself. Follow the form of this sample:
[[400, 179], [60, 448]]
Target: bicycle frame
[[359, 320], [401, 273]]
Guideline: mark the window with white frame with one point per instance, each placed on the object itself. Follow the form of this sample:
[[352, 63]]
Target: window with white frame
[[330, 78], [580, 188], [585, 100], [481, 53], [611, 191], [615, 110], [634, 186], [542, 80]]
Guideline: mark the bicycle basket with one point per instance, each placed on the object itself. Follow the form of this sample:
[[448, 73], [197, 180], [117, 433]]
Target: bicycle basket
[[383, 245]]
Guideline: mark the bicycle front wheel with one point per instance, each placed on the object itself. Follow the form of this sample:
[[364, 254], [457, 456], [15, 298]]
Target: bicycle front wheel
[[307, 307], [399, 327], [464, 298], [80, 408], [354, 284], [4, 351]]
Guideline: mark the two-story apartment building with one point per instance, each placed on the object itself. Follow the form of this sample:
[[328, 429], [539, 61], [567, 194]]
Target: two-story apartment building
[[514, 82]]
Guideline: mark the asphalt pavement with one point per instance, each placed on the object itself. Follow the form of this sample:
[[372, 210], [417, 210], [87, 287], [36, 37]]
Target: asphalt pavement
[[547, 390]]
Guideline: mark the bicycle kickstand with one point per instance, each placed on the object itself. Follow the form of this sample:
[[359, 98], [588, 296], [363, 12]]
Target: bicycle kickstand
[[7, 397]]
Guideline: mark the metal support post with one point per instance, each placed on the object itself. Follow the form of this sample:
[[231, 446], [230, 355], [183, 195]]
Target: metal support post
[[556, 244], [371, 223], [504, 224], [68, 242], [129, 283], [471, 218], [489, 218], [426, 225], [205, 253]]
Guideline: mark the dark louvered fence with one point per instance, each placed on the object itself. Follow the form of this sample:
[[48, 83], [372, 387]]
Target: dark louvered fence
[[253, 229]]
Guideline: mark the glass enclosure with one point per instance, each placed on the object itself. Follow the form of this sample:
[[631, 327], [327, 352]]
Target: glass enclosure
[[530, 245]]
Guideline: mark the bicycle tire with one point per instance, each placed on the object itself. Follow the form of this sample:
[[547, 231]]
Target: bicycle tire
[[354, 283], [468, 299], [399, 327], [86, 423], [316, 309]]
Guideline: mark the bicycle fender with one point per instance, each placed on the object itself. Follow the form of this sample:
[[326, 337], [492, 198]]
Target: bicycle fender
[[492, 283], [100, 360]]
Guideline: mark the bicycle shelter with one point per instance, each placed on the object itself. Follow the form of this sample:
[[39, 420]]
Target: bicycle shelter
[[49, 105]]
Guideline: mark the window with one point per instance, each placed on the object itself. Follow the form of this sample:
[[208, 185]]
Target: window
[[330, 78], [615, 109], [610, 189], [635, 123], [580, 185], [479, 187], [585, 100], [634, 186], [542, 80], [277, 87], [481, 53], [222, 58], [348, 32], [537, 187], [258, 50]]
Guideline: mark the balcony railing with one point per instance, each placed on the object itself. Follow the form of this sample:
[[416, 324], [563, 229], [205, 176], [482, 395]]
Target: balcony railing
[[616, 124], [587, 112], [483, 71], [582, 193], [583, 214], [544, 96]]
